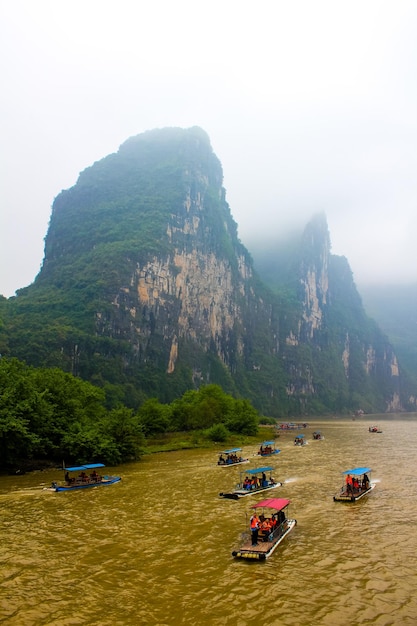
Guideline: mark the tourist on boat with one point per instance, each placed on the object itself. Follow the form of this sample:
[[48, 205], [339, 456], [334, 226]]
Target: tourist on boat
[[266, 528], [255, 482], [67, 478], [221, 460], [365, 481], [264, 481], [83, 477], [349, 483], [246, 483], [254, 528], [94, 476]]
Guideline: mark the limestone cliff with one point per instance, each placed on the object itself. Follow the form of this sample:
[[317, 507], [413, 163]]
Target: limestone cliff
[[146, 290]]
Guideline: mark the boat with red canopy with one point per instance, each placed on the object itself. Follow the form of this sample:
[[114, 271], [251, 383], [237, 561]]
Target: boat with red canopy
[[274, 526]]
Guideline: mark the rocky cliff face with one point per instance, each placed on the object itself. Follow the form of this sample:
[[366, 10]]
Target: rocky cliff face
[[160, 295]]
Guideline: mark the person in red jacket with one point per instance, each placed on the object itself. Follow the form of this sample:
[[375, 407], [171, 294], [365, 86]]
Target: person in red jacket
[[254, 529]]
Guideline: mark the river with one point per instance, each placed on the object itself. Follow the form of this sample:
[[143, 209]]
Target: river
[[155, 548]]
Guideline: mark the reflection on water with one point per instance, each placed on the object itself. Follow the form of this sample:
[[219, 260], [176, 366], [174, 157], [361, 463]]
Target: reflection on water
[[156, 548]]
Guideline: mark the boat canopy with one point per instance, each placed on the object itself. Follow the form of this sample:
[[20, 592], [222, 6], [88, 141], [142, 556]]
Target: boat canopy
[[272, 503], [257, 470], [300, 436], [231, 450], [268, 443], [358, 471], [80, 468]]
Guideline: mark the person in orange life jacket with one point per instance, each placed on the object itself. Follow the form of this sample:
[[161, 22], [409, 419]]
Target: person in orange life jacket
[[266, 528], [349, 483], [254, 528]]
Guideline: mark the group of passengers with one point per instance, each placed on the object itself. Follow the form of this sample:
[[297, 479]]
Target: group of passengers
[[267, 526], [231, 458], [257, 482], [263, 527], [83, 478], [265, 450], [354, 485]]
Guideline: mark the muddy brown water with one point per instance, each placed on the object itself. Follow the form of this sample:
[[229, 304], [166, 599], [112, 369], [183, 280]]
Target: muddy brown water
[[156, 548]]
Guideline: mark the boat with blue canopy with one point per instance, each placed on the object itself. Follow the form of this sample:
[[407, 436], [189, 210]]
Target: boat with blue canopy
[[268, 526], [252, 481], [231, 457], [267, 448], [357, 484], [300, 440], [83, 477]]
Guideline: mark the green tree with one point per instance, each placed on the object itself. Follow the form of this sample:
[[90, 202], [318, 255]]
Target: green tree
[[244, 418], [154, 417]]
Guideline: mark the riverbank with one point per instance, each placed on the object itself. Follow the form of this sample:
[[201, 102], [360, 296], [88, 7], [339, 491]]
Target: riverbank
[[171, 442]]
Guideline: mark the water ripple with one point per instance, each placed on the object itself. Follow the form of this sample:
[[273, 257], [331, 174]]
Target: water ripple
[[156, 548]]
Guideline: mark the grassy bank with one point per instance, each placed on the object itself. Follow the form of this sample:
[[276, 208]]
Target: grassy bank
[[167, 442]]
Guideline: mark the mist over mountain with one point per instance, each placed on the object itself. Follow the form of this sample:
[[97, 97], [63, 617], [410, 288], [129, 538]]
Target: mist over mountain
[[146, 290], [394, 307]]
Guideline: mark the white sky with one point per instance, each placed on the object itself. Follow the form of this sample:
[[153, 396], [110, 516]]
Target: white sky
[[310, 105]]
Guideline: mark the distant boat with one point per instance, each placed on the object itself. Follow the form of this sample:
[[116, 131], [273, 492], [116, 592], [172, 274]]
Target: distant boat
[[357, 485], [288, 426], [267, 448], [255, 481], [317, 435], [84, 480], [232, 457], [277, 528], [300, 440], [375, 429]]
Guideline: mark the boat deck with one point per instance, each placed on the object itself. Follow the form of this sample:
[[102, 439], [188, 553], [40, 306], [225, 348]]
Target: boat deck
[[110, 480], [264, 547], [347, 496], [242, 493], [232, 463]]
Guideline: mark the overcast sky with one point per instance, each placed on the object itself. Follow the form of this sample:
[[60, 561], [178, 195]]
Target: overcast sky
[[310, 105]]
